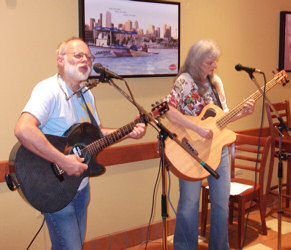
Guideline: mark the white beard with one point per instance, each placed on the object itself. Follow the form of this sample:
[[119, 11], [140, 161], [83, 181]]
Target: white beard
[[74, 72]]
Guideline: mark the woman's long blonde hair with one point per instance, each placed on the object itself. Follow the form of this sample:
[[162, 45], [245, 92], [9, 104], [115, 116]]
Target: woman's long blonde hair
[[195, 57]]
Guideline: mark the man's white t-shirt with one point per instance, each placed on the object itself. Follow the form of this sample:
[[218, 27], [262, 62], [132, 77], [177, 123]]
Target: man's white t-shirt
[[56, 115]]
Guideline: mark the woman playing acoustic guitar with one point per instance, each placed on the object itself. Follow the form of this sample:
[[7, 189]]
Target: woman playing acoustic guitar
[[195, 87]]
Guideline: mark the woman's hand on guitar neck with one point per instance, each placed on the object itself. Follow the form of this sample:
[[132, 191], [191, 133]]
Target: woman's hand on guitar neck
[[248, 108]]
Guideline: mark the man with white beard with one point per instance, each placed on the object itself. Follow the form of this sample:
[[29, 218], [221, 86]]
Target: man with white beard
[[50, 111]]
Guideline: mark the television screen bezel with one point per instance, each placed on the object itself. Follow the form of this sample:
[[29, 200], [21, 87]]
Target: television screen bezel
[[175, 65], [282, 42]]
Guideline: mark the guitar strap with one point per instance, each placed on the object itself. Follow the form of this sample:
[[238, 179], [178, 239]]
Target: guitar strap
[[218, 103], [93, 121]]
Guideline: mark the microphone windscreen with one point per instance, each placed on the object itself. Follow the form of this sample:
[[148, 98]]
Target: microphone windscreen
[[238, 67], [98, 68]]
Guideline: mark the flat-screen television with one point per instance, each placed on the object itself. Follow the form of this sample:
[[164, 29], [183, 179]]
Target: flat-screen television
[[285, 41], [132, 38]]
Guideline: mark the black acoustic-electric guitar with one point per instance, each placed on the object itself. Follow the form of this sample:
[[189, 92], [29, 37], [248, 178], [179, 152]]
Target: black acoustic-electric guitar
[[47, 187]]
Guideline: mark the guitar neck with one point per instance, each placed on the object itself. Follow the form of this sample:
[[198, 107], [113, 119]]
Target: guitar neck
[[225, 119], [108, 140], [96, 146]]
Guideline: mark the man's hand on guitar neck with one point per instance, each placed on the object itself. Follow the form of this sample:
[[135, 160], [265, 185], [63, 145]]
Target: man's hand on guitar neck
[[138, 131]]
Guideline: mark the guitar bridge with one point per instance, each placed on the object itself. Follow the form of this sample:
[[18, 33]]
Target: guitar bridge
[[189, 146]]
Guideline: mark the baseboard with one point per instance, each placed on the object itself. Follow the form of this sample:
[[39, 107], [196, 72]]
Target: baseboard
[[130, 237]]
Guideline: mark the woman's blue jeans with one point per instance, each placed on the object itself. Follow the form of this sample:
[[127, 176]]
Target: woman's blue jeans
[[186, 231], [67, 226]]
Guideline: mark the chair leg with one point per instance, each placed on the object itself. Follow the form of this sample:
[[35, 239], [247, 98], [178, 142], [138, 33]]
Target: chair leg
[[288, 180], [230, 213], [270, 172], [204, 210], [262, 207]]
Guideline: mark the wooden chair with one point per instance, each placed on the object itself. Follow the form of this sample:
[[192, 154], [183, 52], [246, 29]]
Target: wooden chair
[[243, 157], [283, 111]]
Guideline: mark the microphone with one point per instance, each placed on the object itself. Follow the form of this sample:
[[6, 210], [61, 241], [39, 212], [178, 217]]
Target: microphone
[[239, 67], [98, 68], [91, 83]]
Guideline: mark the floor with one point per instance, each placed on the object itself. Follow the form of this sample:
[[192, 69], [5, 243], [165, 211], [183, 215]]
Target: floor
[[254, 239]]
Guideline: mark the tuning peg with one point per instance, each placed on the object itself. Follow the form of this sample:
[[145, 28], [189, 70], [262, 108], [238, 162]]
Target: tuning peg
[[157, 103]]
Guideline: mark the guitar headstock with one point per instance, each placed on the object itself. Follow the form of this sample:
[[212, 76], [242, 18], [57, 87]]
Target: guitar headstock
[[281, 77], [159, 109]]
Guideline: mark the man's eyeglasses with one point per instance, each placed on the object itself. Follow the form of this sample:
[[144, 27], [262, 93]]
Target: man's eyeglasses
[[79, 56]]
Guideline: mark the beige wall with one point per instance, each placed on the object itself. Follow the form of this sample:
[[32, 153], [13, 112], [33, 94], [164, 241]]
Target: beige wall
[[247, 32]]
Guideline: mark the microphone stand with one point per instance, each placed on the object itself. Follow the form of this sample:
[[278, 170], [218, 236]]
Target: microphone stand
[[281, 127], [280, 175], [163, 135]]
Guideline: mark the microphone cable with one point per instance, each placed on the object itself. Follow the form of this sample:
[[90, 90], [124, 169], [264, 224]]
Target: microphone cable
[[36, 234], [168, 198], [153, 204]]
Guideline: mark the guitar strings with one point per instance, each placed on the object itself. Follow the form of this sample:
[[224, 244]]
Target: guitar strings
[[94, 147], [221, 122]]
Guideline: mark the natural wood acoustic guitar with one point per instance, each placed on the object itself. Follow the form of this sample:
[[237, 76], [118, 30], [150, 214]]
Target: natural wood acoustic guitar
[[183, 164]]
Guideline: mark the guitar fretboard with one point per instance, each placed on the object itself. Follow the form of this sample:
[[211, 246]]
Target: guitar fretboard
[[225, 119], [107, 140]]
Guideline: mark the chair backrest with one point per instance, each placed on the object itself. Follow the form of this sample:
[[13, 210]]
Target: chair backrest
[[244, 155], [283, 110]]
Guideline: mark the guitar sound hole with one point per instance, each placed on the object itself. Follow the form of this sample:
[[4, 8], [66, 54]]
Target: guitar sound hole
[[77, 149], [209, 113]]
